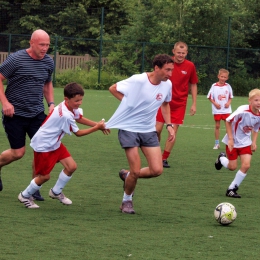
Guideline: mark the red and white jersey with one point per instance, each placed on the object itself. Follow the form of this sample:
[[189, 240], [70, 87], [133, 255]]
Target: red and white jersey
[[183, 74], [221, 95], [243, 122], [59, 122]]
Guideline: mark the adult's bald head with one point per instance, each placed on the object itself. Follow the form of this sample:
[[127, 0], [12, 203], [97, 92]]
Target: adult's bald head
[[39, 44]]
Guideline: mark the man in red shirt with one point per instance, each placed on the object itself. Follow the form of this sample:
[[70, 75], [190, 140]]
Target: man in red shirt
[[183, 77]]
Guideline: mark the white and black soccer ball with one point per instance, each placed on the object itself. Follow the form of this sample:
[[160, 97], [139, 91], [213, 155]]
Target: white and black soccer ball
[[225, 213]]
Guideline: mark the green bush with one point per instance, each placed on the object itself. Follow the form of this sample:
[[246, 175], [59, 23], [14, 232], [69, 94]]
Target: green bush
[[87, 78]]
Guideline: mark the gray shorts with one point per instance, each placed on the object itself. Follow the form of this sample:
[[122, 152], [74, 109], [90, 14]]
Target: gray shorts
[[132, 139]]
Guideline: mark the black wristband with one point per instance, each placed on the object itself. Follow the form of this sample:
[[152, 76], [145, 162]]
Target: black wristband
[[50, 103], [169, 125]]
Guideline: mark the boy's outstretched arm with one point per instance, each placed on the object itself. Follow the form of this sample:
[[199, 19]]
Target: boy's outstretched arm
[[88, 122], [99, 126]]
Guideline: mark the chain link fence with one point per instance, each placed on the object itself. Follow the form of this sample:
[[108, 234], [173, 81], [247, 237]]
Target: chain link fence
[[120, 57]]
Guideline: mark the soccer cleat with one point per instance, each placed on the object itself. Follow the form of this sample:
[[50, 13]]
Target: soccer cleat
[[127, 207], [1, 183], [233, 193], [37, 196], [218, 164], [216, 146], [165, 164], [61, 197], [28, 202]]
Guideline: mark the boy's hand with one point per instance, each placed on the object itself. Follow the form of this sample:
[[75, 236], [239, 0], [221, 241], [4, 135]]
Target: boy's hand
[[218, 106], [102, 126], [253, 147], [226, 105], [230, 144]]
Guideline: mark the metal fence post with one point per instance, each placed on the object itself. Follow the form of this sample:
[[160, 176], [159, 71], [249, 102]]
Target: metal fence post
[[55, 62], [101, 44], [142, 67], [228, 41], [9, 43]]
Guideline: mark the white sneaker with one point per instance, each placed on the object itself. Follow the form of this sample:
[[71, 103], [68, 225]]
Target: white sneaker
[[61, 197], [216, 146], [28, 202]]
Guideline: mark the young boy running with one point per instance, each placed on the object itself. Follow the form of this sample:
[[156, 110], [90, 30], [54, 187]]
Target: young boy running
[[48, 149], [239, 125], [220, 95]]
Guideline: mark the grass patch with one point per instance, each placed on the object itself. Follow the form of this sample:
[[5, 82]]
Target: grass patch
[[174, 212]]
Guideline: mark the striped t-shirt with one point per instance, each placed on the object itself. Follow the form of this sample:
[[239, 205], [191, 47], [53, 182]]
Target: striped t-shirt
[[26, 78]]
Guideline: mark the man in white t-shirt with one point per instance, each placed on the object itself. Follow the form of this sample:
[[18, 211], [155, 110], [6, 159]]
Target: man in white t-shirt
[[141, 96], [239, 125], [48, 149]]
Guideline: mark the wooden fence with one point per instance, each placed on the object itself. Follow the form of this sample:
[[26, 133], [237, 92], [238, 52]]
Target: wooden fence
[[64, 62]]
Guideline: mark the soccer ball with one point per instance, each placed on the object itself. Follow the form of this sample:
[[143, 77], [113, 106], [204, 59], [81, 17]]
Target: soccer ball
[[225, 213]]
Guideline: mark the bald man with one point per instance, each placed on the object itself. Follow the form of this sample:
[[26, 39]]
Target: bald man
[[29, 75]]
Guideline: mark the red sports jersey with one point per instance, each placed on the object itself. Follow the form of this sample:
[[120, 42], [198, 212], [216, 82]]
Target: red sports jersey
[[183, 74]]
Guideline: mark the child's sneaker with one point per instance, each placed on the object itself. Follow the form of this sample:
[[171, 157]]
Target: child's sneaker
[[61, 197], [218, 164], [233, 193], [216, 146], [28, 202]]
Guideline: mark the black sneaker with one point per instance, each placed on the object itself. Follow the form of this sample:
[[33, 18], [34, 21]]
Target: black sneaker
[[1, 183], [233, 193], [218, 164], [37, 196], [165, 164]]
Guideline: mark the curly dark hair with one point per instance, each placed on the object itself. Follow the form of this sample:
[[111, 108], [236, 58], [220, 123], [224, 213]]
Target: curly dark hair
[[161, 59]]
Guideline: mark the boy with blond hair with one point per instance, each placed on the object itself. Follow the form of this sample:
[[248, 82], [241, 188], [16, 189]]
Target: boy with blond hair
[[239, 125], [220, 95]]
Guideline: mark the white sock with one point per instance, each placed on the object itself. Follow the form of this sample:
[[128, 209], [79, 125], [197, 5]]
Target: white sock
[[240, 176], [127, 197], [31, 189], [224, 161], [61, 182]]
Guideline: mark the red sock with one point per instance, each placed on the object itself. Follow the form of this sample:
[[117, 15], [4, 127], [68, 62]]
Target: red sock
[[165, 155]]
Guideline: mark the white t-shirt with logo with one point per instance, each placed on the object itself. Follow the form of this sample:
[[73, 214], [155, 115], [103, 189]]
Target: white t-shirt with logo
[[138, 108], [221, 95], [243, 122], [59, 122]]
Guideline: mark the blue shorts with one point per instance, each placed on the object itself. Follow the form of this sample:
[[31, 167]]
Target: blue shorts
[[132, 139], [17, 127]]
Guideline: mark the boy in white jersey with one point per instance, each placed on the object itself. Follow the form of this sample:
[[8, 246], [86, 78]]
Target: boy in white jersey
[[220, 95], [239, 125], [141, 95], [48, 149]]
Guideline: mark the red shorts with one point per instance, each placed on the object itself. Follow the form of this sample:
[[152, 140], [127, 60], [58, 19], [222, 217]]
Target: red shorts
[[45, 161], [219, 117], [237, 151], [177, 115]]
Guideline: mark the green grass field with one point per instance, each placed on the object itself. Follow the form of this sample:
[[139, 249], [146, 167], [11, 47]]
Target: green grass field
[[174, 212]]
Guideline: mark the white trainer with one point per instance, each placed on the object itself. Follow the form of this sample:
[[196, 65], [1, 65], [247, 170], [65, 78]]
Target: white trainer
[[28, 202], [216, 146], [61, 197]]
